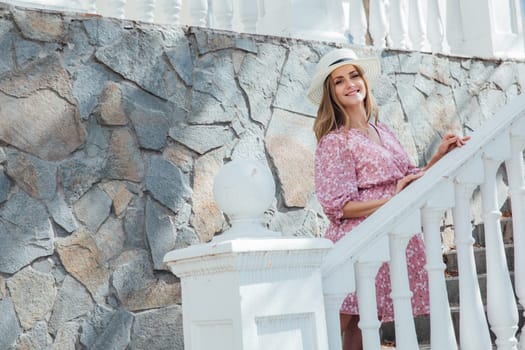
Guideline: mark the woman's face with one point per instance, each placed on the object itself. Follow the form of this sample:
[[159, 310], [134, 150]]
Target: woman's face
[[349, 86]]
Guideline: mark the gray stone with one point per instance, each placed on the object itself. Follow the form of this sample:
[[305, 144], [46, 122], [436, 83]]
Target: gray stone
[[124, 160], [137, 287], [33, 295], [166, 184], [41, 26], [261, 92], [180, 56], [436, 68], [151, 127], [72, 301], [6, 55], [207, 219], [384, 91], [134, 224], [250, 145], [479, 75], [160, 232], [138, 56], [201, 138], [89, 81], [36, 339], [78, 50], [103, 31], [410, 63], [186, 237], [504, 76], [119, 195], [80, 256], [9, 328], [301, 223], [180, 156], [490, 101], [93, 208], [95, 324], [97, 141], [25, 232], [295, 80], [62, 214], [66, 337], [5, 184], [26, 52], [209, 41], [116, 334], [110, 239], [159, 329], [291, 146], [35, 176], [78, 176], [216, 96]]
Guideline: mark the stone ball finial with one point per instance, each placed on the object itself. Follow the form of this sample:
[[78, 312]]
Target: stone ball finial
[[244, 190]]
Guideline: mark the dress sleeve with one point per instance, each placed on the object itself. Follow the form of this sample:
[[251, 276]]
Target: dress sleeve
[[335, 176]]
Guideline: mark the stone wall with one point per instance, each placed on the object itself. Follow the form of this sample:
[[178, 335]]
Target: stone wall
[[112, 132]]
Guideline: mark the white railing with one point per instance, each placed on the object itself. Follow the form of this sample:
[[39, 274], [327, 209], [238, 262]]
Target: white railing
[[384, 236], [481, 28]]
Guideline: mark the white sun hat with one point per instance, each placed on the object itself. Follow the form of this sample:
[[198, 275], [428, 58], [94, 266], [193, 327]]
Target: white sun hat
[[335, 59]]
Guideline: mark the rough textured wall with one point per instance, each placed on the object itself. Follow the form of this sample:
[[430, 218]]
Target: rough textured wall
[[111, 134]]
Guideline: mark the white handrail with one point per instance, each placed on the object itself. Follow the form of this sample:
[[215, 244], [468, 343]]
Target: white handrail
[[438, 26], [440, 189]]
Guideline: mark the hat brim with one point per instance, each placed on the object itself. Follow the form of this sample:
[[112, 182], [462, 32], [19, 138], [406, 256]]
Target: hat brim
[[370, 66]]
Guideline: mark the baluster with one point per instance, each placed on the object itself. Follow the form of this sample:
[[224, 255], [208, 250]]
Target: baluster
[[417, 28], [332, 305], [399, 24], [248, 15], [146, 10], [473, 327], [91, 6], [501, 305], [357, 22], [378, 25], [198, 12], [116, 8], [222, 14], [436, 27], [406, 337], [366, 298], [517, 197], [172, 10], [441, 329]]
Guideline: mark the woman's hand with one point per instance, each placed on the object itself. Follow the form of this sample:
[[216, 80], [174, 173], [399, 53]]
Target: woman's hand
[[407, 180], [449, 142]]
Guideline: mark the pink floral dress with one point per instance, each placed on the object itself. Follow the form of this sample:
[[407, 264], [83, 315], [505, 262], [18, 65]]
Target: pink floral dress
[[351, 167]]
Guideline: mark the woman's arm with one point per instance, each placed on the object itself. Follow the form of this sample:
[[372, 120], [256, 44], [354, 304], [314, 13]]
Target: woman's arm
[[353, 209]]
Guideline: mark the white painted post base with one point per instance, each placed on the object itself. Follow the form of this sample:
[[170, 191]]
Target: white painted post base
[[252, 294]]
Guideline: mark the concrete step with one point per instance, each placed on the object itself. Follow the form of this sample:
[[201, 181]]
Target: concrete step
[[451, 259]]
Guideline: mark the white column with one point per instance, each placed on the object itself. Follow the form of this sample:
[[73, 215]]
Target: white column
[[501, 305], [515, 175], [116, 8], [91, 6], [146, 10], [417, 26], [172, 11], [332, 305], [378, 24], [399, 24], [248, 15], [222, 14], [198, 10], [357, 26], [473, 327], [436, 27], [366, 298], [441, 329]]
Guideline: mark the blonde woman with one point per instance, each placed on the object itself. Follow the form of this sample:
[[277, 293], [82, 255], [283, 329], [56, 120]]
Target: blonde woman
[[359, 166]]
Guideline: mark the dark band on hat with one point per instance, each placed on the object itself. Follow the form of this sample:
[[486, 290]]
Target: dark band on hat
[[341, 60]]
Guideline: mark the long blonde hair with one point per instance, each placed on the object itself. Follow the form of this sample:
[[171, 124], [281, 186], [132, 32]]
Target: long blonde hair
[[331, 114]]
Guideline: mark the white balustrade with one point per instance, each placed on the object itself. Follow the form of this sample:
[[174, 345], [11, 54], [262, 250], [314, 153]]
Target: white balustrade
[[439, 26], [366, 299]]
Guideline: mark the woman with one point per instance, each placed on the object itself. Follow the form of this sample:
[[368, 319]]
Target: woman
[[359, 166]]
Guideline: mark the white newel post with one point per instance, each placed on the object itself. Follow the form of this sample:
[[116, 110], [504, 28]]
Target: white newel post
[[267, 289]]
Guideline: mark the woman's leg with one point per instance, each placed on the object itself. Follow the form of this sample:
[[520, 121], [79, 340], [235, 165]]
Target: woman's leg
[[350, 332]]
